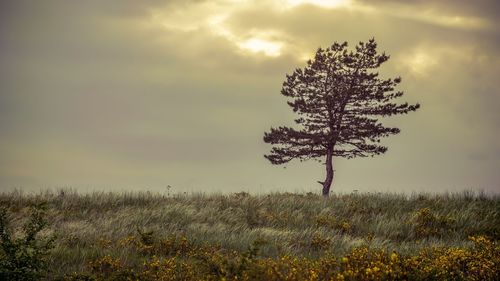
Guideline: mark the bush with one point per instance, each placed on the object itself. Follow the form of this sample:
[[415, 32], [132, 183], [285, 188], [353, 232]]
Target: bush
[[24, 258], [479, 262], [427, 224]]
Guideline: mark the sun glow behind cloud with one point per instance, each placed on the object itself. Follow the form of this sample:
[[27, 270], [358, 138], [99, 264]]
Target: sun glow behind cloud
[[256, 45], [320, 3], [256, 42], [420, 62], [214, 16]]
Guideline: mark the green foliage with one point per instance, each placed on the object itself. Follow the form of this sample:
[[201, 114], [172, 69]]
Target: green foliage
[[24, 258]]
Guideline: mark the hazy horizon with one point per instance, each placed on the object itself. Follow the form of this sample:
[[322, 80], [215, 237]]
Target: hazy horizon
[[141, 95]]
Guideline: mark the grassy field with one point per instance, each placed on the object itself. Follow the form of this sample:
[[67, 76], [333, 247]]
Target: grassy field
[[111, 236]]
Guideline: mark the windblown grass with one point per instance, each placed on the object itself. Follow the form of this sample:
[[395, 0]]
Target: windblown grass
[[125, 230]]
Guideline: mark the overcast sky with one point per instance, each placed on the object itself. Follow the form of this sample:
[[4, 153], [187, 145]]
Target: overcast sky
[[139, 95]]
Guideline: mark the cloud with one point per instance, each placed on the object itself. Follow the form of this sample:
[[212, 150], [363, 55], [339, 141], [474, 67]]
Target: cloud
[[482, 10], [153, 92]]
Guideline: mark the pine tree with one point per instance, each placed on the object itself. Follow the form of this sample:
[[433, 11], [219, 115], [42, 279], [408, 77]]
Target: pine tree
[[338, 98]]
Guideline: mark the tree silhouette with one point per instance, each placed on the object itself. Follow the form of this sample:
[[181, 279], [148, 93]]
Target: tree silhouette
[[337, 97]]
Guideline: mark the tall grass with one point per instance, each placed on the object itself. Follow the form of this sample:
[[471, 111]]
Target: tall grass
[[88, 225]]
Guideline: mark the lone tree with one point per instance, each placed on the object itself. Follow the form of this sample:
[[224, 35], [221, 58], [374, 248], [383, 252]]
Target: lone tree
[[337, 97]]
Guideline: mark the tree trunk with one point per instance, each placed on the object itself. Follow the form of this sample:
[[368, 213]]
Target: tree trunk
[[329, 173]]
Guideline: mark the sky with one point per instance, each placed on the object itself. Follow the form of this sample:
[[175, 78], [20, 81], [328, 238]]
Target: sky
[[145, 95]]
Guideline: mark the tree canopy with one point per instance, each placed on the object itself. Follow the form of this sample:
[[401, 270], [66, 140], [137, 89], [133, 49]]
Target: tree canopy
[[338, 98]]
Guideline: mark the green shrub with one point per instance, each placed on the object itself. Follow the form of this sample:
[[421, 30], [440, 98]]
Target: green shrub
[[427, 224], [24, 258]]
